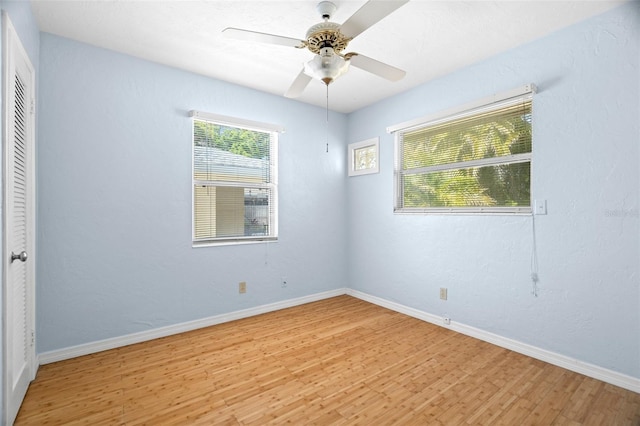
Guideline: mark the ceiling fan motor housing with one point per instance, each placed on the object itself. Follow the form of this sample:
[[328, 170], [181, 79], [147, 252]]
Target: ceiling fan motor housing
[[326, 34]]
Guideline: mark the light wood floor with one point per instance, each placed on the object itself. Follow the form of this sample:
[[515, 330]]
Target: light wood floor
[[337, 361]]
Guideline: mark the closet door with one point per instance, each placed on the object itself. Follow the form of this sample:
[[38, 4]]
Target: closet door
[[18, 231]]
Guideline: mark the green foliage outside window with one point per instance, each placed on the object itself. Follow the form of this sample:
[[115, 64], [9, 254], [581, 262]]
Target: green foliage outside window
[[248, 143]]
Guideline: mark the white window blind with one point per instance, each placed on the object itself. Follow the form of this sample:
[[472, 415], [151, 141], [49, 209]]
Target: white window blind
[[474, 160], [234, 181]]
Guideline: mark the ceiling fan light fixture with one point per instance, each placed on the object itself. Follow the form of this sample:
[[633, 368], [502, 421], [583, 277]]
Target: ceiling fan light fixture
[[326, 66]]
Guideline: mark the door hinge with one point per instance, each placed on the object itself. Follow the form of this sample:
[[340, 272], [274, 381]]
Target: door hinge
[[33, 337], [33, 106]]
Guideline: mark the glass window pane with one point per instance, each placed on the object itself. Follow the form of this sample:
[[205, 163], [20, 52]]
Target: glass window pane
[[506, 185], [230, 154], [223, 211], [495, 134], [365, 158]]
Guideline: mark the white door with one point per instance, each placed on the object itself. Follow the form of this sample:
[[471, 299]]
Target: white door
[[18, 228]]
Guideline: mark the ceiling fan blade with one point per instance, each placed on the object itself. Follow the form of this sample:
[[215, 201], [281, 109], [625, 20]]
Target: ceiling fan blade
[[370, 13], [247, 35], [298, 85], [376, 67]]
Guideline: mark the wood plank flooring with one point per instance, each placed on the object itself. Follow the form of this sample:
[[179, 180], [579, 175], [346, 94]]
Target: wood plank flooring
[[340, 361]]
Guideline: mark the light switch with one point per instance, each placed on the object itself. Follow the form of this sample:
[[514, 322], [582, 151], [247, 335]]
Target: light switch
[[540, 206]]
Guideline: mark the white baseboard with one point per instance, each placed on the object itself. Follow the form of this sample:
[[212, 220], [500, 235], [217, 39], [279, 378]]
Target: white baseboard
[[143, 336], [590, 370]]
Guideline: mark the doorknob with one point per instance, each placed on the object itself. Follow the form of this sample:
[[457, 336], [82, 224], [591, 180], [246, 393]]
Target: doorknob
[[21, 257]]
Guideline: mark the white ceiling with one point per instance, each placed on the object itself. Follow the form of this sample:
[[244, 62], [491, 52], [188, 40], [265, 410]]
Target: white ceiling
[[426, 38]]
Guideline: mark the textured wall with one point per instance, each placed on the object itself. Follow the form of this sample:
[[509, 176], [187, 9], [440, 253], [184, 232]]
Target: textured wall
[[586, 163], [114, 205]]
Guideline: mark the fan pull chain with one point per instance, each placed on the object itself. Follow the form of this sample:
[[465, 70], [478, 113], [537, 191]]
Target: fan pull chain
[[327, 118]]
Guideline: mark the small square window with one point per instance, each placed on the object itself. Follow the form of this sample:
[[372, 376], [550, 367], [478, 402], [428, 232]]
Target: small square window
[[364, 157]]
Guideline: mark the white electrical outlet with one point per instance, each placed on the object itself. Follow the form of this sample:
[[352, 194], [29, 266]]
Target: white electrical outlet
[[443, 293], [446, 320]]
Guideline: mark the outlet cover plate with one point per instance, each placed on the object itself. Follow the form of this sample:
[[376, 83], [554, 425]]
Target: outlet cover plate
[[443, 293], [540, 207]]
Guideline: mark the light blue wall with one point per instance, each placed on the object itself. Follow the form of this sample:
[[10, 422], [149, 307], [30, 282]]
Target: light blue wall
[[586, 165], [114, 234], [25, 24]]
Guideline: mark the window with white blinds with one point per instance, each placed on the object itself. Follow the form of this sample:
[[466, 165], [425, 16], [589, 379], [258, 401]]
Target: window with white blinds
[[477, 160], [235, 187]]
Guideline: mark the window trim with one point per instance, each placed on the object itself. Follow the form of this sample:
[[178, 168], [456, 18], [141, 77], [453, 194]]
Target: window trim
[[490, 103], [236, 122], [353, 147], [223, 120]]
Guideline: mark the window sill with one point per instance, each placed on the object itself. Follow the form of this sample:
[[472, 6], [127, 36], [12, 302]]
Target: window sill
[[505, 211], [199, 244]]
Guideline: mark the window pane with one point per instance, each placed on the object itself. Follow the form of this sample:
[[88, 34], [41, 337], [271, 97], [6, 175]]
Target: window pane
[[365, 158], [506, 131], [224, 211], [224, 153], [506, 185]]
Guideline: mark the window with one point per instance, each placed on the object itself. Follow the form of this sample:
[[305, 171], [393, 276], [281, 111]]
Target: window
[[235, 190], [363, 157], [473, 160]]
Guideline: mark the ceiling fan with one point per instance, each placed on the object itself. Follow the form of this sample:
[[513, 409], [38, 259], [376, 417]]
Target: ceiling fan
[[327, 40]]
